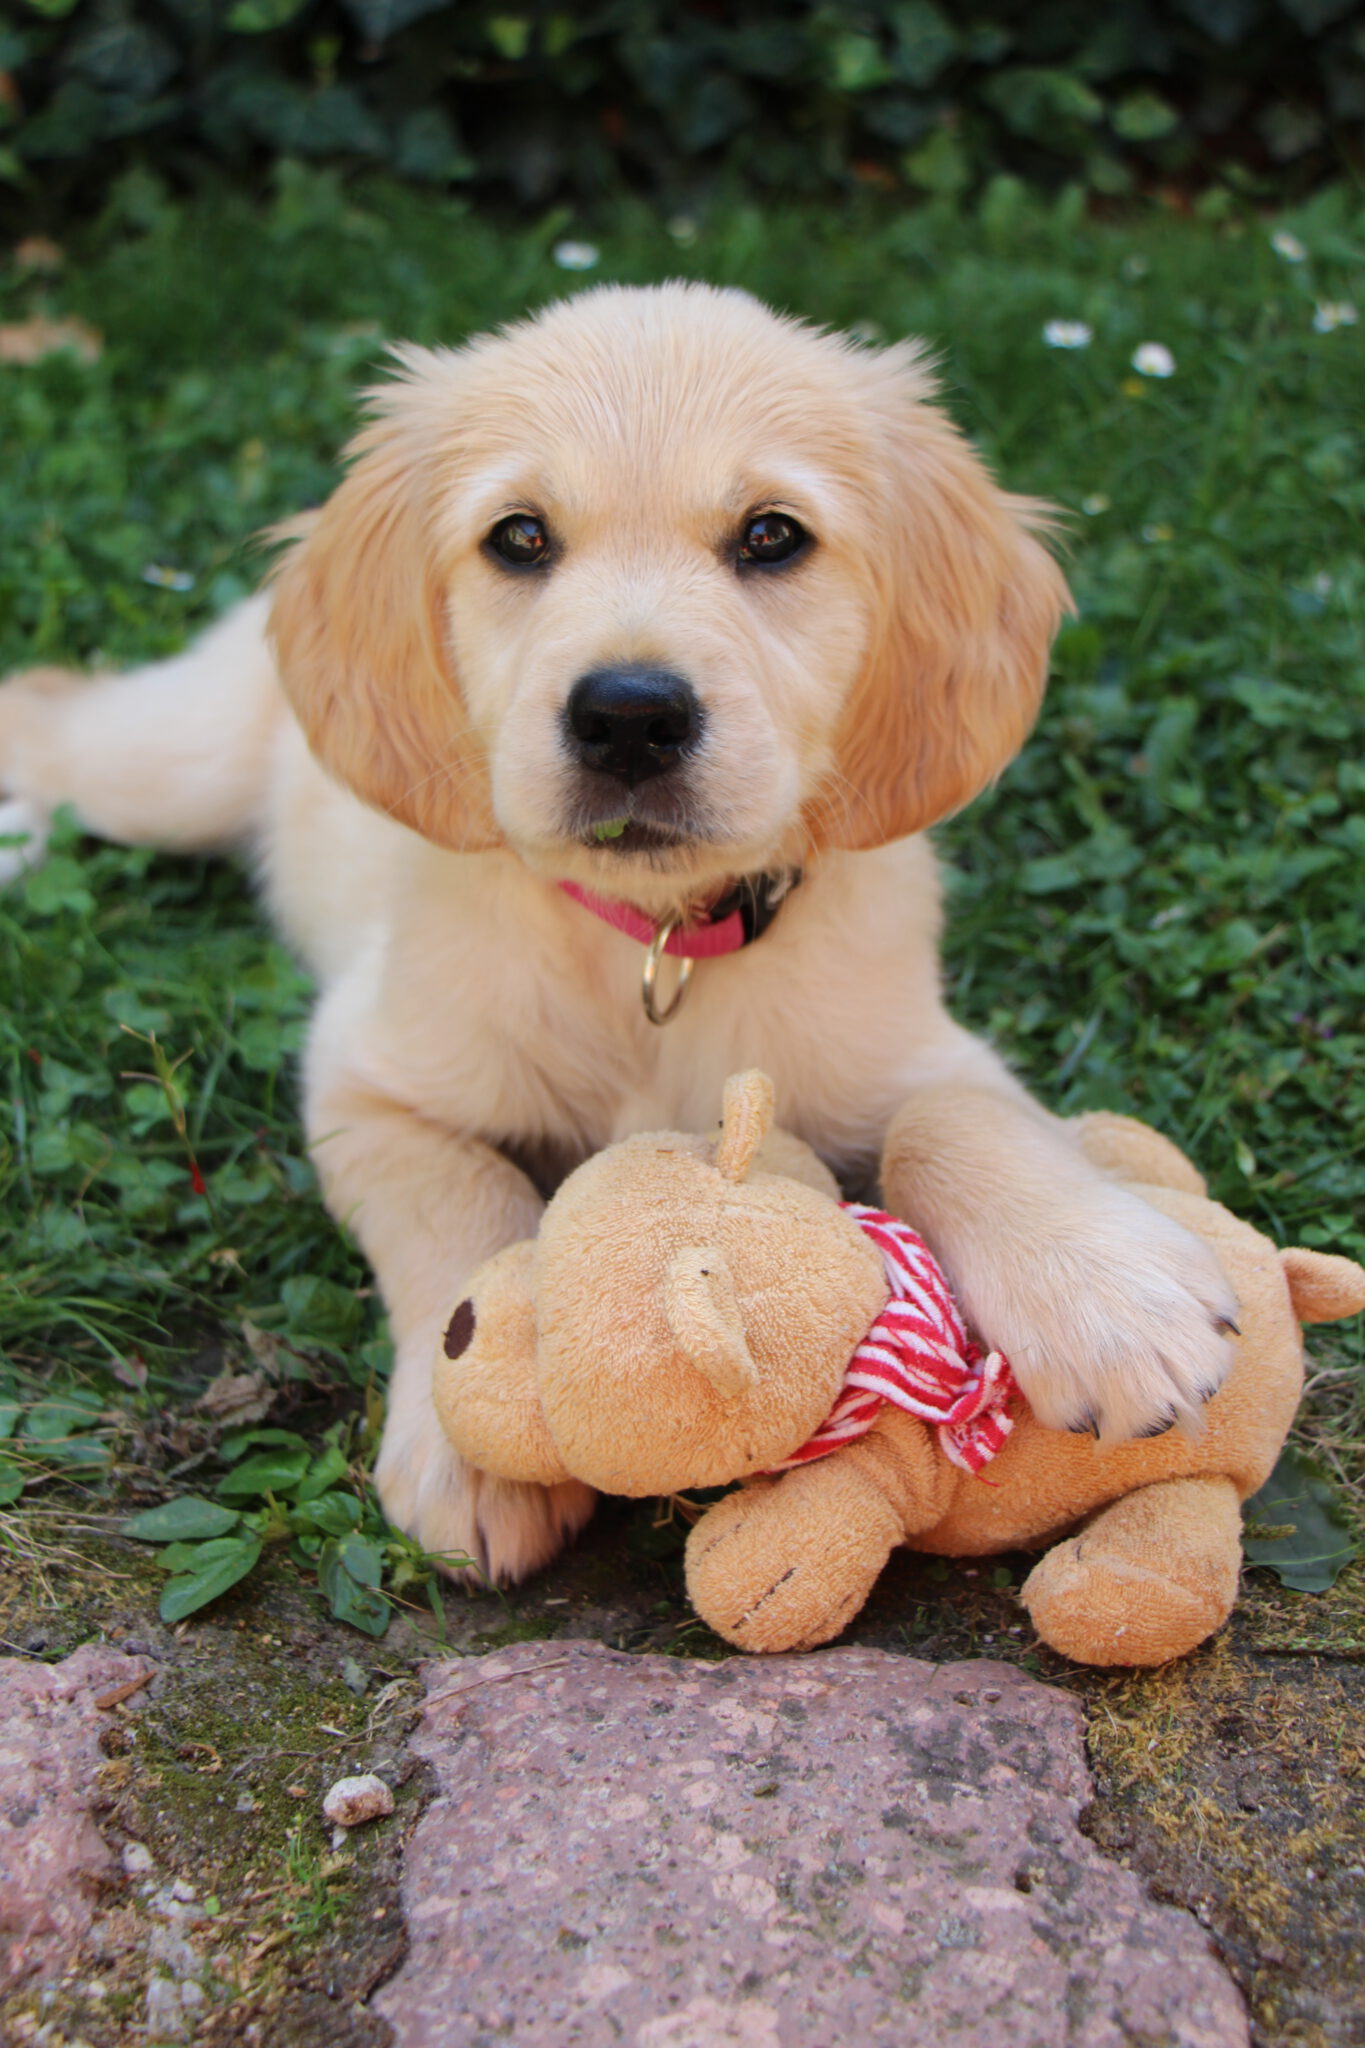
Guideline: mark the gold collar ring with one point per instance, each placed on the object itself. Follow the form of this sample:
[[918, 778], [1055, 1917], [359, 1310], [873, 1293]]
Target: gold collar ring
[[649, 977]]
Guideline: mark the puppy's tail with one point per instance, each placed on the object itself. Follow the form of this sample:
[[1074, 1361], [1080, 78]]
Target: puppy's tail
[[176, 754]]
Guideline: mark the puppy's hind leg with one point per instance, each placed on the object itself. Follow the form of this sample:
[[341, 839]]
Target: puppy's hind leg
[[175, 754]]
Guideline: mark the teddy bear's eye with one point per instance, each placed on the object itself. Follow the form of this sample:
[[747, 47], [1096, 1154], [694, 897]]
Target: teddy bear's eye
[[460, 1330]]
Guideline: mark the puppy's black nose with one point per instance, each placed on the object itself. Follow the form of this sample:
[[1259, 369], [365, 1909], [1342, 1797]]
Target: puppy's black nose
[[632, 722]]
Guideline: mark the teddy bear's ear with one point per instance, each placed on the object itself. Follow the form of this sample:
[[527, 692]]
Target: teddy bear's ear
[[704, 1317], [746, 1120], [1323, 1286]]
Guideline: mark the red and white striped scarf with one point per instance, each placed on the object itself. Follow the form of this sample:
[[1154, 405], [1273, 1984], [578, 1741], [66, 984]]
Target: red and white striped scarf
[[918, 1355]]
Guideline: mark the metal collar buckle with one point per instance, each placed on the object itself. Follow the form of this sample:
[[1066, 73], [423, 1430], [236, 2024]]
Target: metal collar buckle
[[662, 934]]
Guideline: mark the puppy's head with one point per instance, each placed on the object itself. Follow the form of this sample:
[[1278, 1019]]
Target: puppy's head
[[659, 589]]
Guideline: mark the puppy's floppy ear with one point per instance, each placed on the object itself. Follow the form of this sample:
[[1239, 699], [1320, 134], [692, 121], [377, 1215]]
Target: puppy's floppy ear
[[968, 602], [359, 624]]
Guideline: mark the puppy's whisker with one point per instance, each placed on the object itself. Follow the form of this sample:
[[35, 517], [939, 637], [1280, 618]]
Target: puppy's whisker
[[842, 812], [458, 772]]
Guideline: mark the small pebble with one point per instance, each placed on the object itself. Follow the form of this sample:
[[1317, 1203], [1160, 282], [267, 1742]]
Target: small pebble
[[353, 1800], [164, 2010], [137, 1859]]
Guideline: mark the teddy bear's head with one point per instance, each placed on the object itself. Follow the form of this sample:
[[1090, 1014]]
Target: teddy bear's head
[[685, 1316]]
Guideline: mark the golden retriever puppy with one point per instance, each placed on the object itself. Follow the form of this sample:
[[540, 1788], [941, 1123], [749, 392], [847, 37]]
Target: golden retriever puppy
[[655, 594]]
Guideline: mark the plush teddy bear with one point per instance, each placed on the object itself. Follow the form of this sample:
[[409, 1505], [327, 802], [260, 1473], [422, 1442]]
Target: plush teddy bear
[[696, 1311]]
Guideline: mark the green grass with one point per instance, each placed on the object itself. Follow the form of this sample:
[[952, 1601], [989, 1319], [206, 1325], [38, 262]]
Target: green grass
[[1159, 910]]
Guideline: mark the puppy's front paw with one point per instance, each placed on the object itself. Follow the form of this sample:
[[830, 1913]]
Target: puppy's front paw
[[1117, 1321], [26, 704], [485, 1531], [23, 837]]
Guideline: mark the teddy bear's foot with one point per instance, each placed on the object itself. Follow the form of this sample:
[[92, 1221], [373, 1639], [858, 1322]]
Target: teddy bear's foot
[[786, 1563], [1148, 1579]]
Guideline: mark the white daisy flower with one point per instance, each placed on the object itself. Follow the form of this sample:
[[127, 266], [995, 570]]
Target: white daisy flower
[[1153, 359], [575, 255], [162, 578], [1289, 246], [1067, 334], [1331, 313]]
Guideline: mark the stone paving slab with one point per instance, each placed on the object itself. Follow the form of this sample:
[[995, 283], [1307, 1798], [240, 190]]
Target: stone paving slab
[[53, 1861], [792, 1852]]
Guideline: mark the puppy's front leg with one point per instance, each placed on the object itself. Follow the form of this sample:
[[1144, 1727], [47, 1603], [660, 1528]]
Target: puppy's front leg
[[1114, 1318], [428, 1206]]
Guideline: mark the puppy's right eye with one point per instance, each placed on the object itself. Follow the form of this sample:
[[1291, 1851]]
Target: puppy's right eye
[[521, 541]]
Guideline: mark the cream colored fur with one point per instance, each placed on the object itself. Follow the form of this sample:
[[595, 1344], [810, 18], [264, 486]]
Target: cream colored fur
[[468, 1011]]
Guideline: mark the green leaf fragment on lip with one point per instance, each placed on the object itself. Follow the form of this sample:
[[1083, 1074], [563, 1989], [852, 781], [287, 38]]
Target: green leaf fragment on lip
[[612, 829]]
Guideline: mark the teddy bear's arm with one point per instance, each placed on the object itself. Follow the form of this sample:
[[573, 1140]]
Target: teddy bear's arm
[[785, 1563], [485, 1384], [901, 1457]]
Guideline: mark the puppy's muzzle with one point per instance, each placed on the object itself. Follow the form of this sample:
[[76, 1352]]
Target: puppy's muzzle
[[632, 723]]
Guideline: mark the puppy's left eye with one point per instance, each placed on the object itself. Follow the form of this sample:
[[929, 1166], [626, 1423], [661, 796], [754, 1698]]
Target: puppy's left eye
[[772, 537], [521, 541]]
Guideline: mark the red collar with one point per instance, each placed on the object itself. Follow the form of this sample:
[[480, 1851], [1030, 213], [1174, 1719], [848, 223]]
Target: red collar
[[734, 920]]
